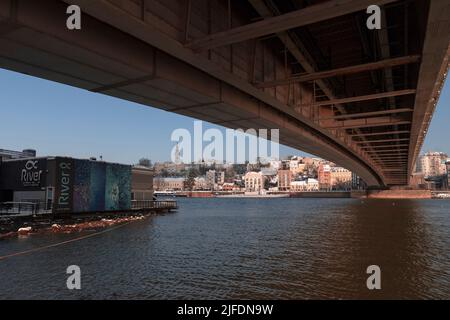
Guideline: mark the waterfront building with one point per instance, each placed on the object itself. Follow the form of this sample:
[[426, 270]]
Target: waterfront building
[[210, 179], [67, 185], [432, 164], [312, 184], [200, 183], [297, 186], [293, 165], [340, 178], [141, 183], [214, 179], [304, 185], [324, 174], [284, 179], [297, 166], [220, 177], [169, 168], [254, 181], [11, 154], [229, 186], [169, 184], [315, 162]]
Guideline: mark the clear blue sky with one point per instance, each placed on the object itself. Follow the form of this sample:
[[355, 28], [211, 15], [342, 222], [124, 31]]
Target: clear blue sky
[[56, 119]]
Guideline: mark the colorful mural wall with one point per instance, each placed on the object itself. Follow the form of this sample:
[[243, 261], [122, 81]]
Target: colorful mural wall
[[96, 186]]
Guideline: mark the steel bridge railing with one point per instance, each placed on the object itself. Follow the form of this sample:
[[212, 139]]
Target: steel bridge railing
[[24, 208], [153, 204]]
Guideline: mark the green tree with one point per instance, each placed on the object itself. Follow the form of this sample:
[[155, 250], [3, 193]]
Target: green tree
[[267, 184], [230, 173], [190, 180]]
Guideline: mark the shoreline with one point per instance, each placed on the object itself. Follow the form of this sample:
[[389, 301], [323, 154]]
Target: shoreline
[[69, 226], [398, 194], [256, 196]]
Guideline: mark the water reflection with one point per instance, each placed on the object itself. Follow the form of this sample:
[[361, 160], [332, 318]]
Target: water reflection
[[249, 249]]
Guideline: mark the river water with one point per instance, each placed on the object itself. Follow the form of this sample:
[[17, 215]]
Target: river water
[[247, 249]]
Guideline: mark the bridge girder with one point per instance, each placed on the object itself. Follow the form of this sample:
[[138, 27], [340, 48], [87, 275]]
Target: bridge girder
[[176, 60]]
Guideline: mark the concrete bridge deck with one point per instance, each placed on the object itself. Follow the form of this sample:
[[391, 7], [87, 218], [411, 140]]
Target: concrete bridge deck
[[361, 98]]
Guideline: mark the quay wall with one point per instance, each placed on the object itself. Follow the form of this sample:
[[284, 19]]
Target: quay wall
[[321, 194], [399, 194]]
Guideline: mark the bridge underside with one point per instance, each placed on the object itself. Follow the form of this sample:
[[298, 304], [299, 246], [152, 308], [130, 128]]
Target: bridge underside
[[361, 98]]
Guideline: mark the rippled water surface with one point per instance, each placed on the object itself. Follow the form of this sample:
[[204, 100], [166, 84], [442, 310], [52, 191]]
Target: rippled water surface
[[247, 248]]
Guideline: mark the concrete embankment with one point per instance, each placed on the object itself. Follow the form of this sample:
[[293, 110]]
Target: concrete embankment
[[321, 194], [392, 194], [369, 194]]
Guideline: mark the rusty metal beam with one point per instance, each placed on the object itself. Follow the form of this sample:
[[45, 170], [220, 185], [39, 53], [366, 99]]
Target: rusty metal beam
[[363, 98], [392, 161], [393, 152], [399, 175], [372, 134], [387, 153], [382, 64], [309, 15], [397, 152], [369, 114], [382, 141], [385, 146], [396, 176], [379, 122], [293, 44], [389, 159]]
